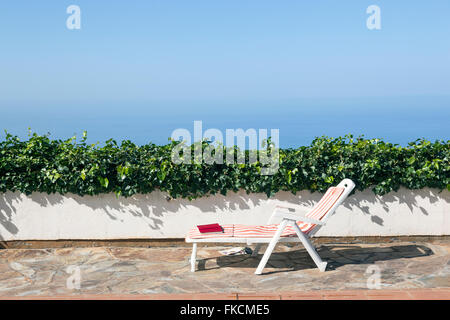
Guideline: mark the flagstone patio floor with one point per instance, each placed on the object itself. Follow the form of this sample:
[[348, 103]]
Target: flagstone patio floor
[[353, 270]]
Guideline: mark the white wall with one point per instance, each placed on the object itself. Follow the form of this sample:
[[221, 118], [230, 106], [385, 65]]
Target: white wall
[[50, 217]]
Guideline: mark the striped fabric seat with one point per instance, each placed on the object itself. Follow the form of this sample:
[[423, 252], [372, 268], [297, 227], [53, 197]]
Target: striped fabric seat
[[322, 207], [263, 231], [267, 231]]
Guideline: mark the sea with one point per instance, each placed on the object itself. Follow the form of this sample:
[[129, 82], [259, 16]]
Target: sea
[[398, 120]]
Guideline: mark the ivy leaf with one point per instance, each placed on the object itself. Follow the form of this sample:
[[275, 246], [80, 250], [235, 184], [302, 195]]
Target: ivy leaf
[[104, 182], [329, 179]]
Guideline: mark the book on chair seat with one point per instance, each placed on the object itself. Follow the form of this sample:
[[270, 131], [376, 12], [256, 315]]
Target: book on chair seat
[[210, 228]]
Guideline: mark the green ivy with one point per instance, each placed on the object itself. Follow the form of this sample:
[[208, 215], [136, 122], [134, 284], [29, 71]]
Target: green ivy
[[68, 166]]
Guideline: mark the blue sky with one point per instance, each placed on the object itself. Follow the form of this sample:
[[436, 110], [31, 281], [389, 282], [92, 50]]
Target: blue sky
[[135, 61]]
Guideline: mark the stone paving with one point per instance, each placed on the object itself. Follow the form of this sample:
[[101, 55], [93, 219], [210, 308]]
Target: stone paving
[[165, 270]]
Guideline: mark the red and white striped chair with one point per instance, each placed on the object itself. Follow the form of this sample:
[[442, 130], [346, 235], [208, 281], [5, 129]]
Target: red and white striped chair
[[292, 228]]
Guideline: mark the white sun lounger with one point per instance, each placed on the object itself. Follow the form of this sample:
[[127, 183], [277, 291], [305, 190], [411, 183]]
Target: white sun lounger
[[294, 227]]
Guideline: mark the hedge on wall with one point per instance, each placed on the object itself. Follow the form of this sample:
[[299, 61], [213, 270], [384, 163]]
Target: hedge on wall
[[67, 166]]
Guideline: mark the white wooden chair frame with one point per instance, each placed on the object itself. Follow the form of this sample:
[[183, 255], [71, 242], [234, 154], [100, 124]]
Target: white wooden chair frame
[[282, 212]]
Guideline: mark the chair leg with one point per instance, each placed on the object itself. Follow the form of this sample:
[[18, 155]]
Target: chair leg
[[256, 250], [270, 247], [193, 257], [322, 265]]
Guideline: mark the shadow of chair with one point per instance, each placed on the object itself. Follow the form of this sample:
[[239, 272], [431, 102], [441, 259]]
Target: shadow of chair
[[336, 256]]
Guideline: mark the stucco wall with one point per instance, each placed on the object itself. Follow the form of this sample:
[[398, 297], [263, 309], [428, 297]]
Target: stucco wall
[[49, 217]]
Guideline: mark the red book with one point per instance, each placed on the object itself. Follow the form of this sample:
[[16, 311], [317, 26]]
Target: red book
[[208, 228]]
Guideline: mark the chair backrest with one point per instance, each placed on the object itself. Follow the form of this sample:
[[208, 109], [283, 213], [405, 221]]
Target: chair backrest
[[329, 202]]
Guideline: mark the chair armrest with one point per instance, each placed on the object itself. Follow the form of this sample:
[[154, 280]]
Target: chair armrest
[[282, 205], [296, 217]]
